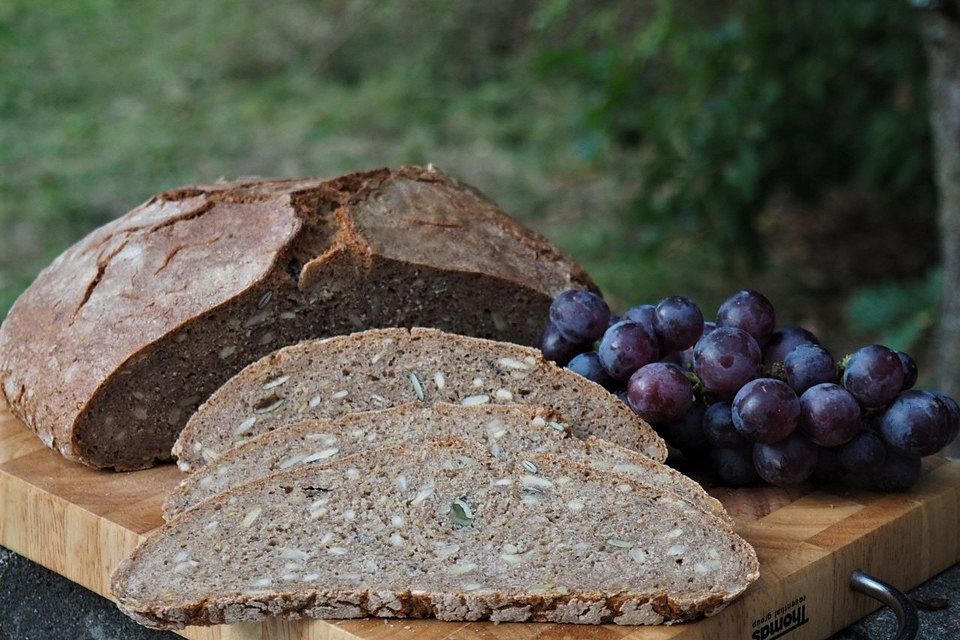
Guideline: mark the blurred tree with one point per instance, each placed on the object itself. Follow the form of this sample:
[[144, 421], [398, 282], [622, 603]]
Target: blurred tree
[[722, 105], [942, 37]]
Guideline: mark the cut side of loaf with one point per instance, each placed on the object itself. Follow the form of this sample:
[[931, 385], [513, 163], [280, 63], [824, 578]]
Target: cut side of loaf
[[508, 432], [441, 530], [118, 341], [386, 367]]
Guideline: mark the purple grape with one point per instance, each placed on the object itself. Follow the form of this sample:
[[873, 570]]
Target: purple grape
[[708, 327], [910, 371], [952, 405], [679, 323], [718, 427], [787, 462], [749, 311], [588, 365], [898, 473], [734, 465], [766, 410], [686, 434], [874, 376], [954, 410], [828, 468], [808, 365], [613, 320], [917, 424], [726, 359], [643, 315], [557, 348], [783, 340], [829, 415], [580, 315], [864, 454], [626, 347], [660, 392]]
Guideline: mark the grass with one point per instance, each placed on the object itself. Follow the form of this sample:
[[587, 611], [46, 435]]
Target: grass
[[104, 103]]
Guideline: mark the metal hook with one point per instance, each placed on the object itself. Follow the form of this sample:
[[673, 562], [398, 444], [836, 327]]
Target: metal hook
[[908, 622]]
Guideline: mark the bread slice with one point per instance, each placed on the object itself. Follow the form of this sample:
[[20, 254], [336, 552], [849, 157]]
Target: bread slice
[[121, 338], [385, 367], [508, 431], [441, 530]]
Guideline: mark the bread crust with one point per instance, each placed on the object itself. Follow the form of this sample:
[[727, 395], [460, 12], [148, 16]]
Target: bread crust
[[582, 608], [144, 304]]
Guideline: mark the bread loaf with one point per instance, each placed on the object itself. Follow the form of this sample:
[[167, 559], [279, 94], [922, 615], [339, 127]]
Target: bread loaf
[[441, 530], [381, 368], [508, 431], [118, 341]]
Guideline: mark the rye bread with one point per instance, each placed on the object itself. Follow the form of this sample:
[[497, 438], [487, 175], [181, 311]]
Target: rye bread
[[508, 431], [440, 530], [381, 368], [118, 341]]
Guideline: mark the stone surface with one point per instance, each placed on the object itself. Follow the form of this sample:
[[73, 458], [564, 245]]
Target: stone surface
[[37, 604]]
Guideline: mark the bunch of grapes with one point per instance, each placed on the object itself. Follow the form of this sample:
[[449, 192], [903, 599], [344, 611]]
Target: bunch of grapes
[[753, 400]]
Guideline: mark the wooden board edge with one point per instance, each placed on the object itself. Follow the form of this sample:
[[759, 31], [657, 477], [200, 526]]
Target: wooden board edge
[[61, 536]]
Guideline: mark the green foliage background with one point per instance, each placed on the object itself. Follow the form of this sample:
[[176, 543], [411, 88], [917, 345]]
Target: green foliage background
[[646, 138]]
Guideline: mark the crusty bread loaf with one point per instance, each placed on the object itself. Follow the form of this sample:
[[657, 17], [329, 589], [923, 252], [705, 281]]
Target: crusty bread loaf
[[118, 341], [508, 431], [380, 368], [441, 529]]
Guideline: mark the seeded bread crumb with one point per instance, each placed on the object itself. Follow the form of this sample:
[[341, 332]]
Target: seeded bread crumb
[[382, 368], [444, 530], [507, 431]]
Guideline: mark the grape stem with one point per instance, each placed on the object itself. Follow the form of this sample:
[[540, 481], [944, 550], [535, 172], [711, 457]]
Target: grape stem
[[698, 388], [775, 370], [843, 364]]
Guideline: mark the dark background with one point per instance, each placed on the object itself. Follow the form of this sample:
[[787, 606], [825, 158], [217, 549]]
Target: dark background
[[691, 148]]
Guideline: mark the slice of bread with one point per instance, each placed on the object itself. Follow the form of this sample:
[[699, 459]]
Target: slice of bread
[[385, 367], [509, 432], [442, 530]]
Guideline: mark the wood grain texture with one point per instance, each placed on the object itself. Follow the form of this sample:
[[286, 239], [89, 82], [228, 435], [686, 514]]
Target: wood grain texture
[[81, 523]]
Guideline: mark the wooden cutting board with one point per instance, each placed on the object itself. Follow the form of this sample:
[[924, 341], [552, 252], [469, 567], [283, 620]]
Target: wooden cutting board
[[81, 523]]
